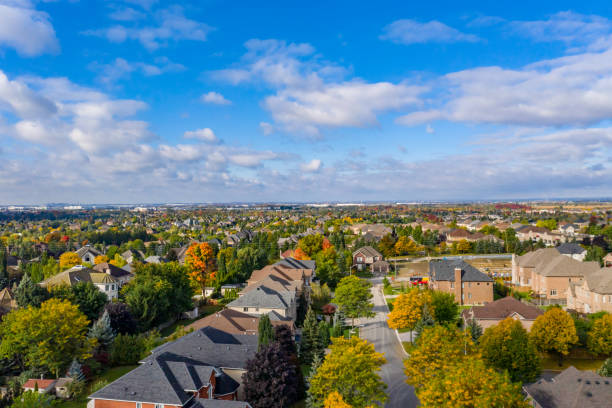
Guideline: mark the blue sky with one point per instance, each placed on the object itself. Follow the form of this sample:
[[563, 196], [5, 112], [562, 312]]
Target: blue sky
[[211, 101]]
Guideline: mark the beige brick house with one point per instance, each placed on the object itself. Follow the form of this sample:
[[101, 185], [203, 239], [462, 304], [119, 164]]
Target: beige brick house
[[494, 312], [593, 294], [465, 282], [548, 273]]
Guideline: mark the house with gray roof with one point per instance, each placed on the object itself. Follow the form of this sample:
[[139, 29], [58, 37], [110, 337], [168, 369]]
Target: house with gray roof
[[88, 254], [469, 285], [263, 299], [573, 250], [365, 257], [572, 388], [191, 372], [593, 294]]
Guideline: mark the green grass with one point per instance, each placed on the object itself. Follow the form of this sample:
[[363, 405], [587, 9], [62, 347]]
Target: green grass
[[109, 375], [390, 304], [204, 311], [552, 363], [354, 334]]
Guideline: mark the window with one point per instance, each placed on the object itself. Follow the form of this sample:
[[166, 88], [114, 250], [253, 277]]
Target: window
[[478, 284], [158, 406], [469, 284], [452, 285], [553, 292], [462, 285], [245, 309], [139, 405], [106, 288]]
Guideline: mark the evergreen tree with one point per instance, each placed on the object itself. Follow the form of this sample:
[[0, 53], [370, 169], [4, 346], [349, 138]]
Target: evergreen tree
[[475, 329], [606, 368], [29, 293], [316, 363], [323, 334], [338, 324], [302, 307], [102, 331], [265, 332], [75, 371], [310, 341], [4, 278], [426, 320], [270, 380]]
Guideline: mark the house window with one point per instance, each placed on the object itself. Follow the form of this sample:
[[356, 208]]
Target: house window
[[469, 295], [112, 287], [553, 292], [245, 309], [106, 288], [478, 284], [139, 405], [158, 406], [462, 285], [452, 285]]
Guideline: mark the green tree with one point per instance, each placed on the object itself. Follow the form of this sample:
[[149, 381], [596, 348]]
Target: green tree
[[353, 296], [351, 369], [445, 309], [33, 399], [310, 340], [474, 329], [606, 368], [320, 295], [554, 332], [29, 293], [265, 332], [426, 320], [506, 346], [599, 339], [102, 331], [85, 295]]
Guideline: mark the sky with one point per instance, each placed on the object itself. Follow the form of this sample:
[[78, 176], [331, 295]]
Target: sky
[[153, 101]]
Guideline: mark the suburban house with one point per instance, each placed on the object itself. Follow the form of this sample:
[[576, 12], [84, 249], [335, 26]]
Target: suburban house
[[549, 274], [569, 230], [457, 235], [380, 268], [375, 231], [103, 281], [264, 300], [572, 250], [42, 386], [87, 253], [202, 369], [593, 294], [180, 253], [571, 388], [531, 233], [291, 263], [119, 274], [7, 302], [465, 282], [365, 257], [492, 313], [235, 322]]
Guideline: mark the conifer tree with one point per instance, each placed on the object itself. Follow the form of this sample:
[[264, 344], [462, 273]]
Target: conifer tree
[[426, 320], [475, 329], [310, 342], [102, 331], [316, 363], [265, 332], [75, 371]]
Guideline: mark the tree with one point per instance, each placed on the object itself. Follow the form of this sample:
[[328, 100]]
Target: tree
[[316, 363], [350, 369], [102, 331], [436, 349], [302, 308], [284, 337], [408, 309], [335, 400], [121, 319], [445, 309], [353, 296], [474, 329], [69, 259], [270, 379], [469, 383], [426, 320], [265, 332], [464, 246], [606, 368], [324, 339], [554, 332], [75, 371], [48, 338], [405, 245], [506, 346], [200, 259], [101, 259], [33, 399], [320, 295], [599, 340], [311, 244], [29, 293], [85, 295], [310, 340], [300, 255]]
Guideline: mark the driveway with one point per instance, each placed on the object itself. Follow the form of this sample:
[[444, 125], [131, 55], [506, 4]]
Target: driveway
[[376, 331]]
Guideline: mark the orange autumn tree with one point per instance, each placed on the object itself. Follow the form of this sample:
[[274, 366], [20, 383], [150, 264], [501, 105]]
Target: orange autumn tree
[[200, 259], [300, 255], [326, 244]]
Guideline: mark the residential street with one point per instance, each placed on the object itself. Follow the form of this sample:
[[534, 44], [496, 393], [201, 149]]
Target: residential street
[[376, 331]]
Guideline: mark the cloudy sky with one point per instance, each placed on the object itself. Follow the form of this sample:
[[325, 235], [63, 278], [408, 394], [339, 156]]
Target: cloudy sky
[[212, 101]]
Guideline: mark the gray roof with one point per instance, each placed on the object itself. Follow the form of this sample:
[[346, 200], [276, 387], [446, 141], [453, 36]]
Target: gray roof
[[297, 264], [162, 380], [212, 403], [264, 297], [84, 249], [444, 270], [570, 248], [572, 389]]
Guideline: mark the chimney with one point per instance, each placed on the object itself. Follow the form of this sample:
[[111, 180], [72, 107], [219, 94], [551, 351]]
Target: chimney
[[458, 289]]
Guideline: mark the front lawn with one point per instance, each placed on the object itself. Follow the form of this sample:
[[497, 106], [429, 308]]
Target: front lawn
[[551, 362], [354, 334], [109, 376]]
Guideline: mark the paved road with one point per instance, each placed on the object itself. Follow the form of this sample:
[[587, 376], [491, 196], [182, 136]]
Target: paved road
[[376, 331]]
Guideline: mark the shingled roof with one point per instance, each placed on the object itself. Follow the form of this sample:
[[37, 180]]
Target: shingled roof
[[549, 262], [264, 297], [297, 263], [444, 270], [235, 322], [570, 248], [502, 308], [572, 389]]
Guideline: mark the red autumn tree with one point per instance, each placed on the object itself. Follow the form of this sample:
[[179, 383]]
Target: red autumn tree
[[200, 259], [326, 244]]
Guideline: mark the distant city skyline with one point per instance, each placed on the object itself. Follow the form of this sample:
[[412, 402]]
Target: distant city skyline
[[152, 101]]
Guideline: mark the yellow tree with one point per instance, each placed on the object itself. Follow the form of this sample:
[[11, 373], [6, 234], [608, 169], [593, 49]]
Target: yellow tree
[[408, 309], [464, 246], [68, 260], [100, 259], [436, 349], [405, 245], [335, 400], [554, 332], [200, 259], [599, 340], [469, 383], [351, 370]]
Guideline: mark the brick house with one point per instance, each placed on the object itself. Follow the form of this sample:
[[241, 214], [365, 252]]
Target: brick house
[[549, 274], [366, 256], [465, 282], [494, 312], [202, 369], [593, 294]]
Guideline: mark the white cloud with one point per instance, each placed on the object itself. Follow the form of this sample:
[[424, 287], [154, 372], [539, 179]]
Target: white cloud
[[127, 14], [429, 129], [414, 32], [25, 29], [215, 98], [312, 166], [571, 90], [311, 94], [172, 25], [205, 134], [252, 159], [121, 68], [181, 152], [266, 128]]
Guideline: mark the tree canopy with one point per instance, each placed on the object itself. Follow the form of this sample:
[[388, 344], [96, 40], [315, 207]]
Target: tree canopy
[[353, 296], [554, 332]]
